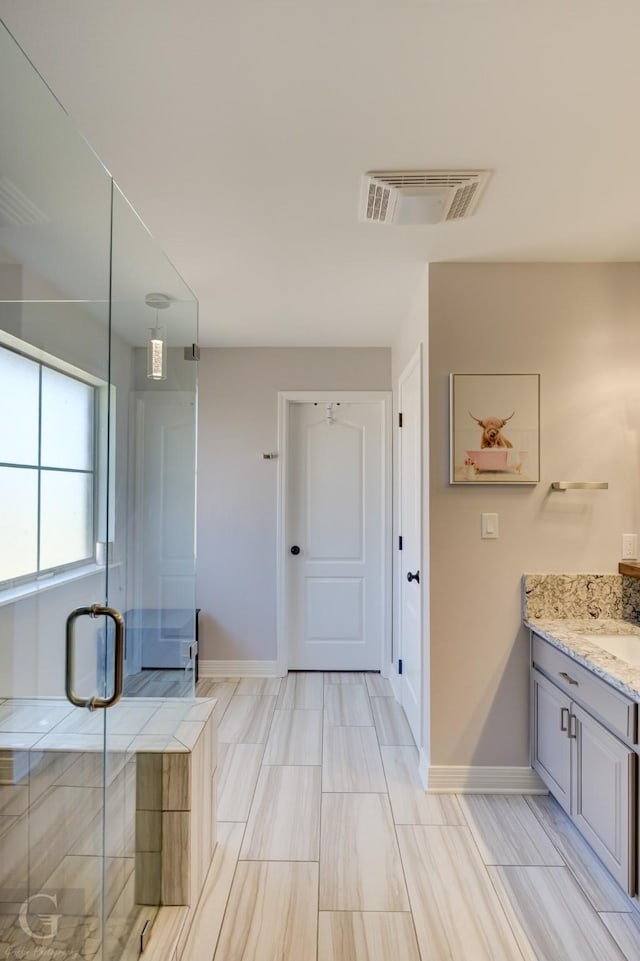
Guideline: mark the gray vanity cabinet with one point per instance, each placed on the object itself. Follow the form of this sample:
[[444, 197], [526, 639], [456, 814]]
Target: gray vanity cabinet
[[550, 746], [586, 766], [602, 792]]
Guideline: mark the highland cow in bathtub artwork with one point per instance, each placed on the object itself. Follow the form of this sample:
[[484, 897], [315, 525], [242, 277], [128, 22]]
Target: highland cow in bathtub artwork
[[492, 435], [494, 428]]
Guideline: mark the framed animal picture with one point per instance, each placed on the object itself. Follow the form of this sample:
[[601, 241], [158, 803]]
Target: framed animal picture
[[495, 428]]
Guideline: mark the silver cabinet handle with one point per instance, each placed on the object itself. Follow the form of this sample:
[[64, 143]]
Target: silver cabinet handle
[[564, 726], [568, 678], [95, 611], [573, 726]]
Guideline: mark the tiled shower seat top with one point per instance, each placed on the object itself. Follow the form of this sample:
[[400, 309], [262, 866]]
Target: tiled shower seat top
[[140, 724]]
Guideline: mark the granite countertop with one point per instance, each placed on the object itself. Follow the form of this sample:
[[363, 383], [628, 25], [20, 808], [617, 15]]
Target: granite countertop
[[569, 610], [577, 638]]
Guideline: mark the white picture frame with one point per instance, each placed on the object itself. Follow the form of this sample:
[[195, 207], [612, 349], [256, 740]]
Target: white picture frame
[[494, 427]]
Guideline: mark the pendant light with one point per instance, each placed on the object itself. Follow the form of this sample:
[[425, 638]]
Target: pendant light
[[156, 344]]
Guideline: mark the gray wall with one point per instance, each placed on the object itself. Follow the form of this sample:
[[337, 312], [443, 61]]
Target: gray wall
[[237, 496], [579, 327]]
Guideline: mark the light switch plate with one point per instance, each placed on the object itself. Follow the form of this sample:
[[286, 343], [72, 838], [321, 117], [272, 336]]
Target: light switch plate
[[629, 547], [489, 526]]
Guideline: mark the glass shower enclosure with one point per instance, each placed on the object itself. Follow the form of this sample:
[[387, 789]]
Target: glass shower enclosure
[[98, 622]]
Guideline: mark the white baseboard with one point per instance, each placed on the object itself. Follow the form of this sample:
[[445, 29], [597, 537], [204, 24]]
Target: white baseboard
[[483, 780], [238, 669]]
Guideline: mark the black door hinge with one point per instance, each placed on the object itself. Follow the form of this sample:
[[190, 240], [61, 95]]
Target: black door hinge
[[399, 420], [400, 666], [400, 543]]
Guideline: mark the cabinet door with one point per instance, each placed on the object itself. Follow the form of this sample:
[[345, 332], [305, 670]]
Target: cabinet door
[[550, 745], [603, 795]]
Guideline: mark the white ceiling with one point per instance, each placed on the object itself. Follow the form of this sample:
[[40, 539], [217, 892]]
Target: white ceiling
[[239, 130]]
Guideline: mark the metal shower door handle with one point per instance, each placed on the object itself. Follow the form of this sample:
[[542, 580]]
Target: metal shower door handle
[[95, 611]]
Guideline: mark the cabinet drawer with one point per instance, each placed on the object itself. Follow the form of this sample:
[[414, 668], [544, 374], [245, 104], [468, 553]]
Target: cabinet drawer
[[617, 711]]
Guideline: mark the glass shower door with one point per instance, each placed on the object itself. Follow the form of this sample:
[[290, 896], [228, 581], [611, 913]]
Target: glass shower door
[[151, 567], [55, 239], [97, 502]]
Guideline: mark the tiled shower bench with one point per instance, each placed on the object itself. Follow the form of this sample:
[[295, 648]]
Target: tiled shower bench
[[160, 815]]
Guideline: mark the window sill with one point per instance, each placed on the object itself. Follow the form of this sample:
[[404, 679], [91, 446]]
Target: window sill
[[33, 588]]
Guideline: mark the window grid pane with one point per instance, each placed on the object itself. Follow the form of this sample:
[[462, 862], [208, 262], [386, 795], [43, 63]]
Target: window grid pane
[[18, 526], [66, 422], [52, 507], [19, 404], [66, 514]]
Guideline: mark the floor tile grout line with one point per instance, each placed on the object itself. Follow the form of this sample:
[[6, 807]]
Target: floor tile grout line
[[250, 807], [498, 898], [262, 767], [534, 953], [226, 707], [512, 865], [395, 832], [568, 866], [320, 819], [462, 811], [226, 903], [622, 914], [270, 696], [350, 727], [560, 867], [361, 911], [279, 860], [553, 843], [222, 681], [255, 787]]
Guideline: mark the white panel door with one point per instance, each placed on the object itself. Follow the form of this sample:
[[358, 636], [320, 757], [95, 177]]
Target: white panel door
[[163, 624], [334, 593], [410, 558]]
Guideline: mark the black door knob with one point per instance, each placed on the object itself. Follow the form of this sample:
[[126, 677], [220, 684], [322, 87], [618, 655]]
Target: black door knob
[[295, 550], [413, 577]]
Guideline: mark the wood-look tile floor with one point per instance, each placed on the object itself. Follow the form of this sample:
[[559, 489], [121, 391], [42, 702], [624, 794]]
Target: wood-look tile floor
[[329, 849]]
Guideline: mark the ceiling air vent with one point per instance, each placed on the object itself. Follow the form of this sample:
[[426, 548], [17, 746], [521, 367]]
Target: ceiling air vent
[[16, 210], [420, 196]]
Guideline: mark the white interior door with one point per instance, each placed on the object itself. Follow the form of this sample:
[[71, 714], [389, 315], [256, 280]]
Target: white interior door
[[335, 606], [410, 557], [161, 628]]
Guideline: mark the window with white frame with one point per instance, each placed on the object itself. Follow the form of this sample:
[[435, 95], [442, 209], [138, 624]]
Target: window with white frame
[[47, 468]]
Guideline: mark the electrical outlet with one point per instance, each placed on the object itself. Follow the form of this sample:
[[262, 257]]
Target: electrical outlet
[[629, 547]]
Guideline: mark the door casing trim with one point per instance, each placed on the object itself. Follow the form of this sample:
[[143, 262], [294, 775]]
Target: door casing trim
[[414, 363], [285, 399]]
